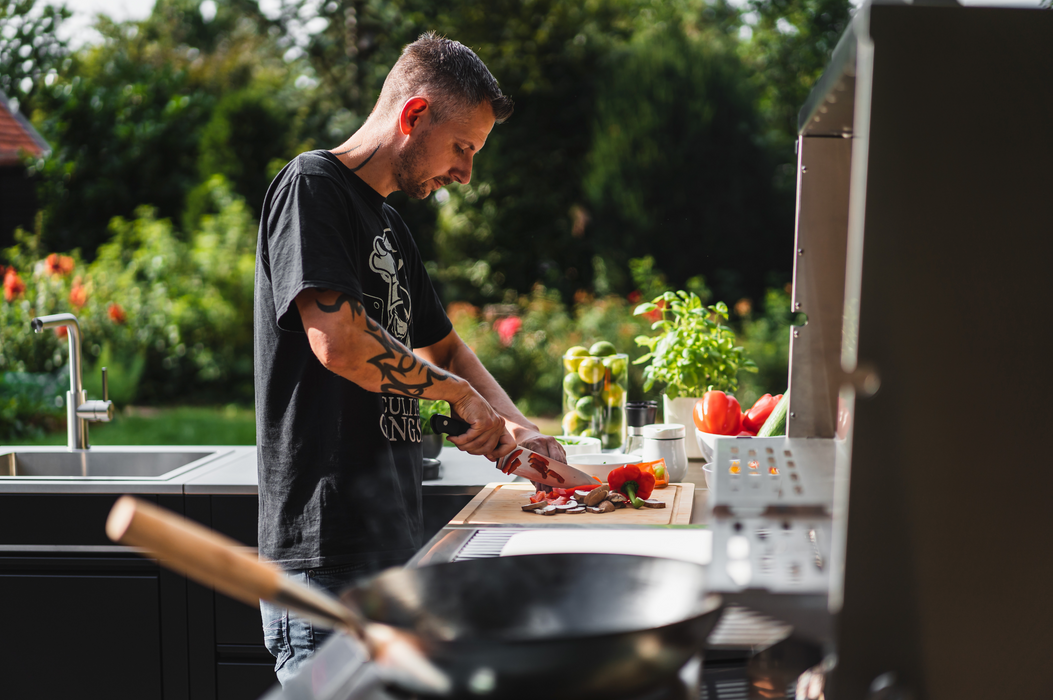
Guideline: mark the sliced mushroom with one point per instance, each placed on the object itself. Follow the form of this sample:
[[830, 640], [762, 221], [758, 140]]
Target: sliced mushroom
[[581, 494], [596, 495], [575, 511], [616, 498], [603, 507], [548, 510], [566, 507], [535, 506], [653, 503]]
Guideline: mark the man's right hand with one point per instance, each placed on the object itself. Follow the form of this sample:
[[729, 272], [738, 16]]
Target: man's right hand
[[486, 435]]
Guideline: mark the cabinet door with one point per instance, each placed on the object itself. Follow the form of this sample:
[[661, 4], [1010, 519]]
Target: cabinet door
[[77, 635]]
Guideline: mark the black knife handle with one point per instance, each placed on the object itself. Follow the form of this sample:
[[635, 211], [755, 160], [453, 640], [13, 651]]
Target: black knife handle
[[451, 426]]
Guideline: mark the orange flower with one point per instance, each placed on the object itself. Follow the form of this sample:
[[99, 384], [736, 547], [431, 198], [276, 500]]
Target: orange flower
[[58, 265], [78, 295], [14, 287], [116, 314]]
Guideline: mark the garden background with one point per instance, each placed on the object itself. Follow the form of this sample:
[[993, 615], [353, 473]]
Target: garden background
[[652, 149]]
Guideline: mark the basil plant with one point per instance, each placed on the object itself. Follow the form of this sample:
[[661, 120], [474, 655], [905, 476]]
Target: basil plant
[[695, 351]]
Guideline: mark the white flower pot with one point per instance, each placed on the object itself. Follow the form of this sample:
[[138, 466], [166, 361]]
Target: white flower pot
[[681, 410]]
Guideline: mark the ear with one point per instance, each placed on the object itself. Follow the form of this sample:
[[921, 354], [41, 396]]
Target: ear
[[412, 114]]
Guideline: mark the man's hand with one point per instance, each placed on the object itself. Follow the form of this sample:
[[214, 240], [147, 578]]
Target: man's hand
[[487, 435], [542, 444]]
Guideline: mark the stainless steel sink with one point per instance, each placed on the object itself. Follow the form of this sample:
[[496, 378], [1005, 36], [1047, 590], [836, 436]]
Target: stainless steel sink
[[99, 464]]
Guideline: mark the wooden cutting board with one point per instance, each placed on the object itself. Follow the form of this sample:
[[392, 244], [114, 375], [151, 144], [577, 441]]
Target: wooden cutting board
[[502, 504]]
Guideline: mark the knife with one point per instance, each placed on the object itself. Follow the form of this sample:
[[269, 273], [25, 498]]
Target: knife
[[523, 462]]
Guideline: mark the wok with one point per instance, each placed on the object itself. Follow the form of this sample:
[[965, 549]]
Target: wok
[[549, 625]]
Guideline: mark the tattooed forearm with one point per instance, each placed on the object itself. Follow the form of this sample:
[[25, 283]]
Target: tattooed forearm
[[401, 371], [356, 306]]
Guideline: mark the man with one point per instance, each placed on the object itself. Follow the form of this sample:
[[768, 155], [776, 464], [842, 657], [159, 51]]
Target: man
[[349, 334]]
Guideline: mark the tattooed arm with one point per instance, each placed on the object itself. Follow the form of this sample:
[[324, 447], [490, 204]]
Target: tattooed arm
[[453, 355], [351, 344]]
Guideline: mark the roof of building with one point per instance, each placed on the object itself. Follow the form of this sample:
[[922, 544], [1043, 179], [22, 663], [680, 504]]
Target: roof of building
[[17, 136]]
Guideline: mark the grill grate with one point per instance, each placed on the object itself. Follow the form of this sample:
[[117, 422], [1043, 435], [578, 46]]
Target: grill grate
[[486, 543]]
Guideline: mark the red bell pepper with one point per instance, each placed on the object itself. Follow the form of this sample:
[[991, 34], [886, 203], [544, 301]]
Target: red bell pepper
[[754, 418], [718, 413], [631, 482]]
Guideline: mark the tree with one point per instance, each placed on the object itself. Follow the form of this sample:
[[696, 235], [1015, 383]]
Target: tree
[[31, 54]]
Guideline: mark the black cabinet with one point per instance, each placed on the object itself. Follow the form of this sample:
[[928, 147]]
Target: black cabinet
[[85, 617]]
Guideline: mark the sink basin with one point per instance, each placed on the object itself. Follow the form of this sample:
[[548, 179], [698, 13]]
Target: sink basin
[[96, 463]]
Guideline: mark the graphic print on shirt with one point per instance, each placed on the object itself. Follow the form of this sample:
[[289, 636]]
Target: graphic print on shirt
[[385, 262], [400, 419]]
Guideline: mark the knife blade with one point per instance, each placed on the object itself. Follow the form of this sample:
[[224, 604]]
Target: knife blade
[[522, 461]]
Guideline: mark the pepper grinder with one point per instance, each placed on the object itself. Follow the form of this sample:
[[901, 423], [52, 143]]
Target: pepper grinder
[[637, 415]]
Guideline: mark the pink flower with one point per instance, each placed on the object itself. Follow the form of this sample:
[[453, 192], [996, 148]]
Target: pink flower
[[507, 328]]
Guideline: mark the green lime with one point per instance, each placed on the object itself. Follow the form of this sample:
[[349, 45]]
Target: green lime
[[572, 424], [591, 370], [588, 432], [613, 424], [613, 394], [611, 441], [574, 386], [602, 349], [617, 365], [585, 408], [572, 358]]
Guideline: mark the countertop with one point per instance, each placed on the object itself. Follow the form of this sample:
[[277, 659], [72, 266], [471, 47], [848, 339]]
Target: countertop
[[232, 470]]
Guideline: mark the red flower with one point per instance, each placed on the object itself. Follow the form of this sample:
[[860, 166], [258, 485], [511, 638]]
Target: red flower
[[13, 285], [78, 295], [116, 314], [634, 296], [655, 315], [61, 331], [507, 328], [58, 265]]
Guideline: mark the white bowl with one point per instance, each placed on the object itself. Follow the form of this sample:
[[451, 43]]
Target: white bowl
[[578, 445], [707, 443], [707, 470], [600, 465]]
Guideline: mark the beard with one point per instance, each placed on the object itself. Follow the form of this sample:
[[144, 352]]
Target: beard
[[409, 173]]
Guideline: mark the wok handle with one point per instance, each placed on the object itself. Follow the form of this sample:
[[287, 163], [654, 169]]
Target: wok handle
[[218, 561]]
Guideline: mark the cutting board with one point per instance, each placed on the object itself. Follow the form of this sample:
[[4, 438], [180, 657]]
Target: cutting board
[[502, 504]]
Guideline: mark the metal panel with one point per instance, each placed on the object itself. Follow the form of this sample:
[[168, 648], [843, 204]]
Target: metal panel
[[819, 284]]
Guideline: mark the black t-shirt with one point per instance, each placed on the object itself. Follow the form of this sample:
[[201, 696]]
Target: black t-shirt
[[339, 467]]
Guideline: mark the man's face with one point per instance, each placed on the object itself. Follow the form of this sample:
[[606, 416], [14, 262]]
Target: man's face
[[435, 156]]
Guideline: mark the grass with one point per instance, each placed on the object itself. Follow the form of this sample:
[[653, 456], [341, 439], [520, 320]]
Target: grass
[[189, 425], [186, 425]]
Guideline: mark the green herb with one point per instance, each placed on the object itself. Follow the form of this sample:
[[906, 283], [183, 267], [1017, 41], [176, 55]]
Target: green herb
[[429, 408], [695, 351]]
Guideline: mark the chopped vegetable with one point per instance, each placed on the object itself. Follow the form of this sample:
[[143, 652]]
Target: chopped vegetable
[[718, 413], [656, 468], [632, 482]]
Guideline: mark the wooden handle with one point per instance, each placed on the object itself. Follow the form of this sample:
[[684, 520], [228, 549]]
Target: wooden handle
[[215, 560]]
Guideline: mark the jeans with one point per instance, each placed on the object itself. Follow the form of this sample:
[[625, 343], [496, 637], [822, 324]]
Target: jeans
[[292, 639]]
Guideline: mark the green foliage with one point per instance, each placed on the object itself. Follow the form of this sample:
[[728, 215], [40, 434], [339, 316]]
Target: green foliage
[[766, 339], [427, 410], [169, 318], [31, 404], [695, 352], [31, 53]]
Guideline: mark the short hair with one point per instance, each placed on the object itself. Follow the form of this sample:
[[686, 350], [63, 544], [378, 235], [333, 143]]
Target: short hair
[[447, 72]]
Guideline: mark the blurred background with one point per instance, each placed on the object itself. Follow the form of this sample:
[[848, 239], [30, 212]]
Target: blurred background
[[652, 149]]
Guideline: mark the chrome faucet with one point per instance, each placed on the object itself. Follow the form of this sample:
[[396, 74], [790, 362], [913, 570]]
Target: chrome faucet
[[78, 409]]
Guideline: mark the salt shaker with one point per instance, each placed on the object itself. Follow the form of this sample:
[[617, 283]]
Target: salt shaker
[[666, 441]]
